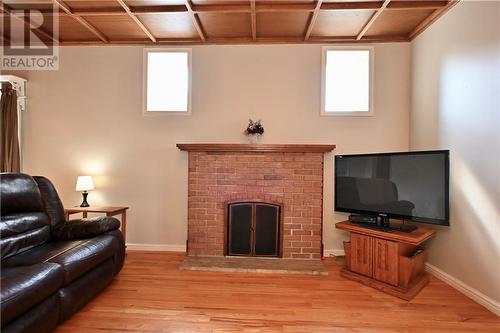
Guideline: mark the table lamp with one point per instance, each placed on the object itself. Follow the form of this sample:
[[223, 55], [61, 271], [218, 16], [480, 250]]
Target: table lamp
[[84, 184]]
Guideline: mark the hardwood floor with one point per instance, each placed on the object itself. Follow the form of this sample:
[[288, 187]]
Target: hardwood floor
[[152, 295]]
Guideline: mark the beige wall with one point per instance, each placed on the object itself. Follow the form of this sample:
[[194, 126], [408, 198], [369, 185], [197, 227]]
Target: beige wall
[[456, 106], [86, 119]]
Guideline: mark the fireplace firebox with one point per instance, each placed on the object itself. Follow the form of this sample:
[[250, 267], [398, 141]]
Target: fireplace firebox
[[253, 229]]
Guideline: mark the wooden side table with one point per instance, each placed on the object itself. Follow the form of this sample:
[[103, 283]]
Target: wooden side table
[[109, 211]]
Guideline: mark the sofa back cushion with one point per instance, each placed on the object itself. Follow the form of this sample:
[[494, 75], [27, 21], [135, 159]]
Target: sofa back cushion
[[51, 202], [23, 223], [20, 194]]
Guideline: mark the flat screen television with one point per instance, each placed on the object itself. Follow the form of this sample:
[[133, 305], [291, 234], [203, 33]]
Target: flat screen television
[[412, 186]]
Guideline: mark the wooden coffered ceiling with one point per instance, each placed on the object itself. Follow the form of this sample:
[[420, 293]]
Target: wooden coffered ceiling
[[229, 21]]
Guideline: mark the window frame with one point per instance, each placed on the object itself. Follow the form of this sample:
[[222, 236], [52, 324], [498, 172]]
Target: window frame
[[371, 78], [145, 111]]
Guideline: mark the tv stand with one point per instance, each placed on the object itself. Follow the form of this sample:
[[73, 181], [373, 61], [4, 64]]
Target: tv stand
[[392, 262]]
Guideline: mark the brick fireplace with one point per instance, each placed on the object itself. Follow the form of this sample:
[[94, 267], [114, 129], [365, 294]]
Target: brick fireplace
[[288, 175]]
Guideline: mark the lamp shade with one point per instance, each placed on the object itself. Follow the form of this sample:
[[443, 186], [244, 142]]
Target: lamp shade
[[84, 183]]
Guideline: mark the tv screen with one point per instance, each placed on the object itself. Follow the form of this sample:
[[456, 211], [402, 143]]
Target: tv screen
[[409, 186]]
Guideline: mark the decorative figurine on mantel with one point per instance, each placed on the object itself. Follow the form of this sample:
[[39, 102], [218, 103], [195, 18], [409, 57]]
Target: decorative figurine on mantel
[[254, 130]]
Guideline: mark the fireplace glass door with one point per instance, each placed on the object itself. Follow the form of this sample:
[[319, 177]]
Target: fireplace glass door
[[253, 229]]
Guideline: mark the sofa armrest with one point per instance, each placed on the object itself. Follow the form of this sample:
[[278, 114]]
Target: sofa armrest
[[85, 228]]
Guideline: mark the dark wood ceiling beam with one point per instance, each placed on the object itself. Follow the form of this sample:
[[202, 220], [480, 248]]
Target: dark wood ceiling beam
[[173, 41], [431, 19], [137, 10], [417, 4], [81, 20], [372, 20], [249, 40], [196, 20], [246, 40], [136, 20], [351, 5], [352, 39], [378, 4], [253, 17], [7, 10], [312, 19], [243, 8]]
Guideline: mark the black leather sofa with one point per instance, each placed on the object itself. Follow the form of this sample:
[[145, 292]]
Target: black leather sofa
[[50, 268]]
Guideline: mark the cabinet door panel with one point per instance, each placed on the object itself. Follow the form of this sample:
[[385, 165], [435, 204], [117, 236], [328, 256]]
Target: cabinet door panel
[[361, 254], [386, 260]]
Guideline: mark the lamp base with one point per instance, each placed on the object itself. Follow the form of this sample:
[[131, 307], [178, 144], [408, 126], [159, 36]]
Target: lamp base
[[84, 202]]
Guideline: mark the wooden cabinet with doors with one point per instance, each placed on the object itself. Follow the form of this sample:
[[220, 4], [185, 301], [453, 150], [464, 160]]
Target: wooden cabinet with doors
[[392, 262]]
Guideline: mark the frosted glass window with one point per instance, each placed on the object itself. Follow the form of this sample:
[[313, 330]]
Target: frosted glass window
[[347, 81], [167, 81]]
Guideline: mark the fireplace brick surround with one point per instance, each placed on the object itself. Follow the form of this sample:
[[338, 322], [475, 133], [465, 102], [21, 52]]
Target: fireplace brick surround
[[291, 175]]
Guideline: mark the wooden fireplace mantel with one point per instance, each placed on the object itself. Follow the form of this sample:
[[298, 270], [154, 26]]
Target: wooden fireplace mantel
[[257, 148]]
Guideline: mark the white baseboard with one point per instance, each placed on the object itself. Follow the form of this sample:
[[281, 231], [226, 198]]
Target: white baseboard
[[156, 247], [465, 289], [333, 253]]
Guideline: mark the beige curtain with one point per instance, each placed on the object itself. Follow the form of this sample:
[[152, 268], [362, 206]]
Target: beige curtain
[[10, 138]]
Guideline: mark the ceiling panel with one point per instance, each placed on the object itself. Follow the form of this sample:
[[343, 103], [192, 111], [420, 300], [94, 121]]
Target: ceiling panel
[[280, 2], [397, 22], [115, 27], [220, 2], [154, 2], [93, 4], [70, 29], [282, 24], [171, 25], [226, 24], [330, 1], [287, 19], [341, 23]]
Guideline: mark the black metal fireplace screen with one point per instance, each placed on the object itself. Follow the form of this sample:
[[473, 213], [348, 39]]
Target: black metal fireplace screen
[[253, 229]]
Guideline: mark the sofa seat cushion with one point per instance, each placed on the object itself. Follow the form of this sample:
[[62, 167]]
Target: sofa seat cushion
[[76, 257], [25, 286]]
